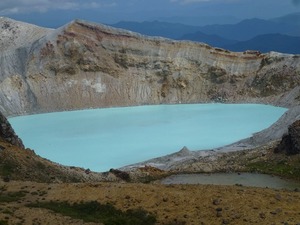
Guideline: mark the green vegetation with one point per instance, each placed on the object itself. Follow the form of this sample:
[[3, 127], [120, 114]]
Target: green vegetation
[[282, 168], [6, 168], [268, 60], [99, 213], [3, 222], [11, 196]]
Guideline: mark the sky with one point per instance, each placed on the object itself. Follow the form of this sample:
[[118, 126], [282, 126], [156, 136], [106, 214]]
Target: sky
[[55, 13]]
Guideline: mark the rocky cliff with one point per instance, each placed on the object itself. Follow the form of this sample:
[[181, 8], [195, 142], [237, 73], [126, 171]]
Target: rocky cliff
[[290, 143], [83, 65], [18, 163], [8, 134]]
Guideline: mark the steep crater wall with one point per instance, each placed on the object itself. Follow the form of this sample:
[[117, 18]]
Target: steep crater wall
[[86, 65]]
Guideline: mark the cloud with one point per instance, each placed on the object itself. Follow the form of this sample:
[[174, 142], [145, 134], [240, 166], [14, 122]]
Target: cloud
[[24, 6]]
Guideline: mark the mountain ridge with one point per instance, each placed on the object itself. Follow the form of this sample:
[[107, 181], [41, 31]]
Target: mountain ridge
[[220, 35], [269, 42], [157, 28], [18, 34], [115, 67], [248, 29]]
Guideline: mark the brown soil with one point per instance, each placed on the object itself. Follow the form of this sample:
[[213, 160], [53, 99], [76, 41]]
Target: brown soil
[[172, 204]]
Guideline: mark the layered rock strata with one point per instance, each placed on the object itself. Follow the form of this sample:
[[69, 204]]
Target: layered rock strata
[[86, 65]]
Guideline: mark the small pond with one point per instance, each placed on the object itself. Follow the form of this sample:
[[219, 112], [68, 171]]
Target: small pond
[[245, 179]]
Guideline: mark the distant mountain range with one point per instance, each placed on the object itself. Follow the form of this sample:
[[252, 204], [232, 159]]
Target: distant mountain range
[[211, 39], [269, 42], [157, 28], [279, 34]]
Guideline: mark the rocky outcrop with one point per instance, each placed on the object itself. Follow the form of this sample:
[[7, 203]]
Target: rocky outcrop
[[16, 34], [8, 134], [84, 65], [290, 143]]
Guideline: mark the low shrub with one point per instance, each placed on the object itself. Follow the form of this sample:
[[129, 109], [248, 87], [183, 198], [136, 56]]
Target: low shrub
[[99, 213]]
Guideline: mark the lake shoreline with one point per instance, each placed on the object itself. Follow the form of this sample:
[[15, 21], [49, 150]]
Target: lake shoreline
[[259, 144], [237, 179], [260, 160], [120, 136]]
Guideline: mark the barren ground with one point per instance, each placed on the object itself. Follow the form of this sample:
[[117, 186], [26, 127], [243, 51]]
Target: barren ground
[[172, 204]]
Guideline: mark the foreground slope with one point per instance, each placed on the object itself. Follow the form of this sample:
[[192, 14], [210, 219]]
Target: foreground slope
[[25, 202], [18, 163], [84, 65], [170, 204]]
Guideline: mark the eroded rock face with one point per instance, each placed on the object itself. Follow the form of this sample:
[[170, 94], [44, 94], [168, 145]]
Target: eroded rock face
[[8, 134], [290, 143], [86, 65]]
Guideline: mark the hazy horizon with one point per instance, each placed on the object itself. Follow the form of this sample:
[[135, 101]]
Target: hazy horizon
[[54, 13]]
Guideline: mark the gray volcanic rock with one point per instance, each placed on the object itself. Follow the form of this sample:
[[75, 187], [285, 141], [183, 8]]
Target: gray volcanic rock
[[86, 65], [8, 134], [290, 143], [15, 34]]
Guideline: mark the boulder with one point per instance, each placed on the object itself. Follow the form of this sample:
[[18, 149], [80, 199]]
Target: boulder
[[7, 133], [290, 143]]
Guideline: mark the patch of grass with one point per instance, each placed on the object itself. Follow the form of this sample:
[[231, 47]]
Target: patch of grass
[[99, 213], [281, 168], [176, 223], [3, 222], [11, 196], [7, 211], [7, 168], [3, 188]]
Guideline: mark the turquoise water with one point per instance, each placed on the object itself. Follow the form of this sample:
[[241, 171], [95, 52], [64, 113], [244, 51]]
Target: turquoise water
[[100, 139]]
